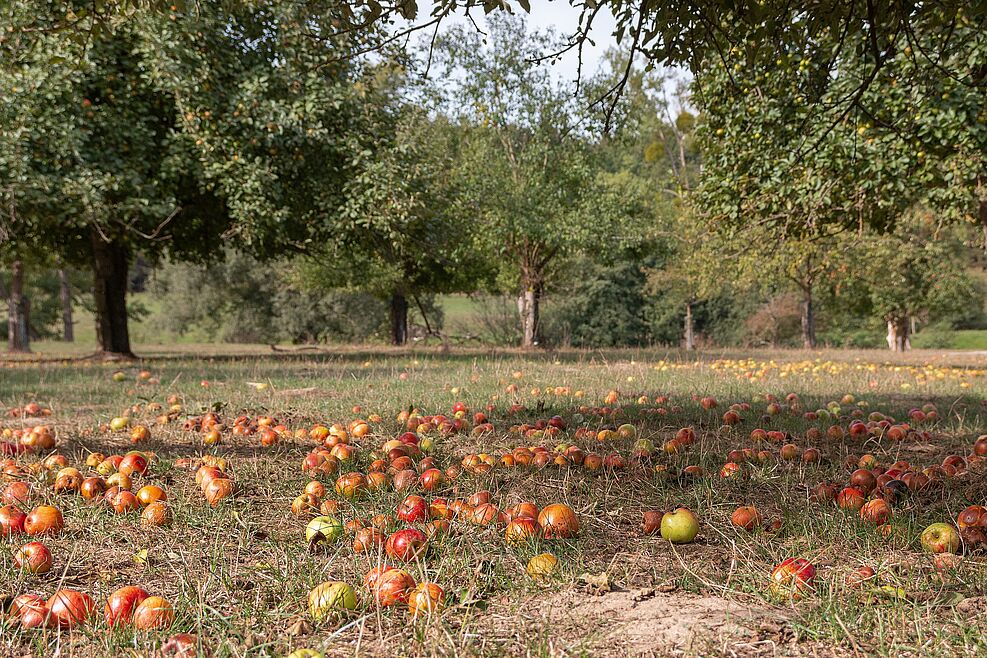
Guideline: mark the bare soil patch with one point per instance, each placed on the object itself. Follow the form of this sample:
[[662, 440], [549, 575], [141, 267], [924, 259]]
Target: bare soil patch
[[649, 622]]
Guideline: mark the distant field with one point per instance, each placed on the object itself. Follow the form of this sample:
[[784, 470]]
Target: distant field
[[464, 316], [964, 339]]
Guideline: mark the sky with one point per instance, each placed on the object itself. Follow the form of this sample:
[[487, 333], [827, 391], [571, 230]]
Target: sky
[[556, 15], [561, 17]]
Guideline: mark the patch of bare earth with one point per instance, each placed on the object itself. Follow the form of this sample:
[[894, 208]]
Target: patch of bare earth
[[648, 622]]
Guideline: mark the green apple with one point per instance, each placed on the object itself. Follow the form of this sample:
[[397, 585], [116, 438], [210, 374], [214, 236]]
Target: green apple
[[119, 376], [644, 446], [680, 526], [940, 538], [119, 423], [426, 444], [323, 530], [331, 597]]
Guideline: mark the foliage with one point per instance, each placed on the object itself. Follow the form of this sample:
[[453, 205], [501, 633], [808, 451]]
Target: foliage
[[243, 300], [783, 147], [909, 274], [605, 306], [397, 232], [526, 169], [691, 33]]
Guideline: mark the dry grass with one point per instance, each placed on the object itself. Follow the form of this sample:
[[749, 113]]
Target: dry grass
[[239, 574]]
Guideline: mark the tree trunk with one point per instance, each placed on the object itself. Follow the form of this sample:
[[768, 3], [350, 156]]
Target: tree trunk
[[690, 338], [399, 319], [898, 334], [65, 294], [983, 216], [808, 321], [528, 310], [18, 338], [110, 264]]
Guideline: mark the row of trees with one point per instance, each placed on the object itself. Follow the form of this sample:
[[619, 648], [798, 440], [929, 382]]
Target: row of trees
[[182, 135]]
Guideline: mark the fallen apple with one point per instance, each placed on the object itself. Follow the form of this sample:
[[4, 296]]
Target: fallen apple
[[680, 526]]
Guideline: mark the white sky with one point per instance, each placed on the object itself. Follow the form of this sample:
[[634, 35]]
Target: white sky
[[563, 19]]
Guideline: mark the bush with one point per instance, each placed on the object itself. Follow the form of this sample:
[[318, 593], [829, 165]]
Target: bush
[[241, 300]]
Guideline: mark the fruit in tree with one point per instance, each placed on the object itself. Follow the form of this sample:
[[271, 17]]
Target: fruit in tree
[[680, 526]]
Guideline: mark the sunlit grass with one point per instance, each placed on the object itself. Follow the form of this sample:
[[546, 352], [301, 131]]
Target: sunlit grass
[[239, 574]]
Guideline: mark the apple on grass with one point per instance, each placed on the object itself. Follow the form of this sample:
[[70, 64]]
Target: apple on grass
[[680, 526], [940, 538], [323, 530]]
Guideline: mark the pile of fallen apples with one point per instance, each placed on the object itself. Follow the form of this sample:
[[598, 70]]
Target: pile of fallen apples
[[67, 608]]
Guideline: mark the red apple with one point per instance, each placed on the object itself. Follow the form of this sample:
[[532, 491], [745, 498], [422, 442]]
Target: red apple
[[121, 604], [33, 558]]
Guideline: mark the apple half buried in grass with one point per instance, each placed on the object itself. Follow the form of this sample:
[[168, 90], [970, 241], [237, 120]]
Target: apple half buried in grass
[[543, 566], [792, 578]]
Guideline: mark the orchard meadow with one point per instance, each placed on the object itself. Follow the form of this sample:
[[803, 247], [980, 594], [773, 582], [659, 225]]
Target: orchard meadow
[[483, 503]]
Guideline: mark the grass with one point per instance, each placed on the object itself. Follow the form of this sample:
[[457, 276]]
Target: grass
[[238, 574], [962, 339]]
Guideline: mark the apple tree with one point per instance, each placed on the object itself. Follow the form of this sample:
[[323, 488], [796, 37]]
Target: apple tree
[[526, 177], [170, 133], [677, 34], [916, 273], [397, 237]]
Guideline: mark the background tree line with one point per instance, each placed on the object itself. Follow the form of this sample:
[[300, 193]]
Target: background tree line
[[283, 188]]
